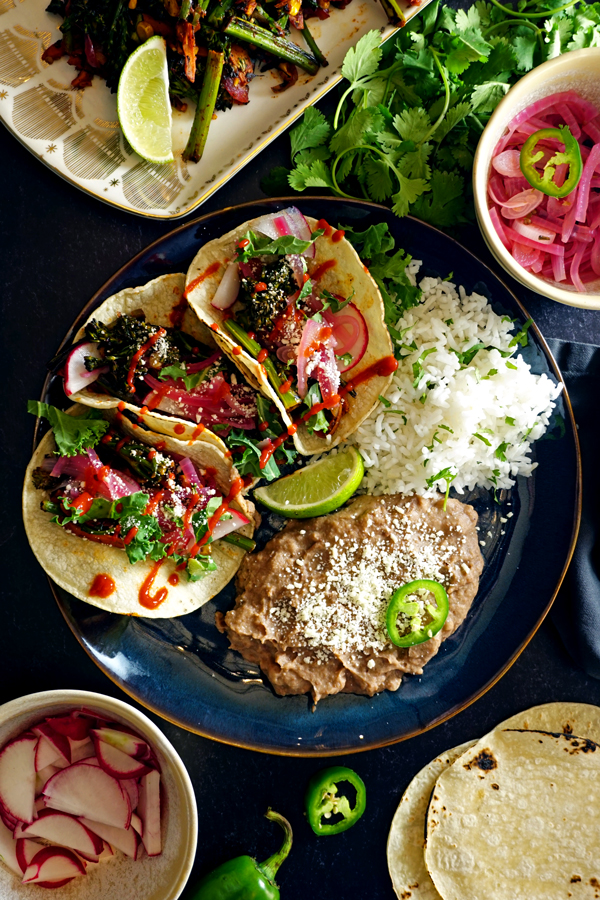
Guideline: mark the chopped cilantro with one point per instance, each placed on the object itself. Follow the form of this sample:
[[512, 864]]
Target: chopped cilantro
[[500, 452], [261, 245], [481, 438], [384, 401], [509, 420]]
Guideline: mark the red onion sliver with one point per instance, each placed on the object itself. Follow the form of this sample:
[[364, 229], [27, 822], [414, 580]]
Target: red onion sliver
[[496, 190], [571, 121], [558, 268], [524, 255], [188, 469], [507, 164], [593, 129], [205, 364], [551, 224], [496, 222], [539, 263], [574, 270], [554, 249], [534, 232], [522, 204], [595, 257], [583, 190]]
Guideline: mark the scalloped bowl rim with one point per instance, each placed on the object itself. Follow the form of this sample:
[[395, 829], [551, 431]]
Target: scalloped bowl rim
[[539, 82]]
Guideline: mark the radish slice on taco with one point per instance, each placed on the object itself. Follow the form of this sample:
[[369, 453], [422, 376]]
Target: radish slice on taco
[[301, 317], [145, 347], [131, 521]]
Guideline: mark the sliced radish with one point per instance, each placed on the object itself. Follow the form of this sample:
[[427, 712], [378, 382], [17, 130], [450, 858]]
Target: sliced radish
[[351, 334], [81, 749], [26, 850], [66, 831], [8, 820], [8, 850], [17, 778], [136, 823], [288, 221], [117, 763], [128, 743], [88, 791], [149, 812], [74, 726], [124, 839], [46, 754], [131, 786], [228, 289], [77, 376], [107, 852], [52, 864], [39, 805], [226, 526], [56, 740]]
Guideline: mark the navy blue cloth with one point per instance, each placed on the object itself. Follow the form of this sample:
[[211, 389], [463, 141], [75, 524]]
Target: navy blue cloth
[[576, 612]]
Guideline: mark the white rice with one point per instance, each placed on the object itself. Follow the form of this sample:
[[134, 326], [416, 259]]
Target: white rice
[[445, 416]]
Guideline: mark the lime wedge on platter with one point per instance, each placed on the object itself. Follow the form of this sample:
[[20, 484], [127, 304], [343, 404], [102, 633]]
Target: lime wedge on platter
[[143, 103], [317, 489]]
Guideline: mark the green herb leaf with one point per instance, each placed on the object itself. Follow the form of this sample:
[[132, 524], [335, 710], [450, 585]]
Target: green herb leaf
[[362, 59], [312, 131], [73, 434]]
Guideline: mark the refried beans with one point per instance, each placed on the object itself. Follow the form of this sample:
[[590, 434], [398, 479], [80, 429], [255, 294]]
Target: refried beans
[[310, 607]]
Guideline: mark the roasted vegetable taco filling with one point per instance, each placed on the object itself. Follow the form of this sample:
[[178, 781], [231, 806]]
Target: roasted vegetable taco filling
[[109, 488], [275, 306], [146, 348]]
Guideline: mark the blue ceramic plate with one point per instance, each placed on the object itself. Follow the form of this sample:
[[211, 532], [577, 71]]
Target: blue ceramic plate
[[182, 669]]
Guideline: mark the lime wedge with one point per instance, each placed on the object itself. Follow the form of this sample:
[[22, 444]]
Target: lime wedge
[[317, 489], [143, 101]]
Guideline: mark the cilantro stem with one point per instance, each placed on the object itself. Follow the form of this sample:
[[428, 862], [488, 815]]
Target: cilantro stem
[[341, 103], [516, 24], [442, 115], [528, 15]]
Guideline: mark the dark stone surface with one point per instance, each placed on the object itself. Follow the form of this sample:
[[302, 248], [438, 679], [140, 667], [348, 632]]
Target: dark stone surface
[[57, 247]]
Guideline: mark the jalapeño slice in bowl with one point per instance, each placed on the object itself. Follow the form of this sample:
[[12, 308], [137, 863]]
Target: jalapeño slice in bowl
[[532, 153], [412, 618], [323, 801]]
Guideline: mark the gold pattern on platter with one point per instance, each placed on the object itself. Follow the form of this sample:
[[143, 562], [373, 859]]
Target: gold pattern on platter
[[114, 182], [78, 102], [3, 95], [102, 123], [148, 186], [40, 113], [18, 59], [89, 153], [44, 36], [50, 148], [5, 6], [58, 85]]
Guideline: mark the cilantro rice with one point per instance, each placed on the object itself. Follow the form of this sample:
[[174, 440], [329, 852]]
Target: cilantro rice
[[451, 416]]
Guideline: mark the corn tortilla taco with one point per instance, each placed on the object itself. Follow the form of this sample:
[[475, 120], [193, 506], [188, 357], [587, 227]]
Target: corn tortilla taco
[[145, 348], [132, 521], [290, 302]]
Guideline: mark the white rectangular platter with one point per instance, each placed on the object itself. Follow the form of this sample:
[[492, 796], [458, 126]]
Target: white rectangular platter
[[76, 132]]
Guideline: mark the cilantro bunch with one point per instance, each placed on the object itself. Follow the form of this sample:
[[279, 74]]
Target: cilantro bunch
[[407, 123]]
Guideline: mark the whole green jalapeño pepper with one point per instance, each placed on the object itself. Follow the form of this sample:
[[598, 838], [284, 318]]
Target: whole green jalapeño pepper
[[420, 619], [243, 878], [544, 181], [323, 801]]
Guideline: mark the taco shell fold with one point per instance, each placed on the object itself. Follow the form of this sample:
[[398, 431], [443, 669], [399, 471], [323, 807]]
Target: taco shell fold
[[73, 562], [160, 301], [345, 276]]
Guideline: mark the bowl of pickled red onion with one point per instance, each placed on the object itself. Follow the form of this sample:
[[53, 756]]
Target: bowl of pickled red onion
[[547, 239]]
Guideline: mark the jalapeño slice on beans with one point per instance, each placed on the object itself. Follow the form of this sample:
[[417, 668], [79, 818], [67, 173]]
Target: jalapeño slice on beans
[[543, 181], [323, 801], [420, 618]]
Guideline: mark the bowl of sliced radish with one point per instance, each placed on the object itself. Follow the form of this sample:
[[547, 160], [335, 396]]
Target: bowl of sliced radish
[[536, 180], [94, 802]]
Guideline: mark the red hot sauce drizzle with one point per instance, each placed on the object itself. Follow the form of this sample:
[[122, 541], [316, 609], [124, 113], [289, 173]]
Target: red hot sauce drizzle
[[178, 312], [139, 353], [210, 270], [146, 599], [324, 267], [102, 586], [381, 368]]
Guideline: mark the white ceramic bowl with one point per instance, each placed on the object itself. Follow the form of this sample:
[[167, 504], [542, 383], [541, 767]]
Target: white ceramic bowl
[[158, 878], [579, 71]]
